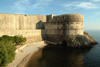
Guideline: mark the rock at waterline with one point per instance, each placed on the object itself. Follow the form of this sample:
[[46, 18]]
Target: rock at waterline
[[90, 38], [76, 41], [80, 40]]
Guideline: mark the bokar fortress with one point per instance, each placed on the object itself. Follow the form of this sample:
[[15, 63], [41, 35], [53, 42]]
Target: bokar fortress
[[37, 28]]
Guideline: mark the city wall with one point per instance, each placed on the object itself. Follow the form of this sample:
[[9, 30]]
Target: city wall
[[29, 26], [20, 22]]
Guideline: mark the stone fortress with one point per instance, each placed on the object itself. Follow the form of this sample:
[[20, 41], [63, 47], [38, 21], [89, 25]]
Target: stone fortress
[[59, 27], [37, 27]]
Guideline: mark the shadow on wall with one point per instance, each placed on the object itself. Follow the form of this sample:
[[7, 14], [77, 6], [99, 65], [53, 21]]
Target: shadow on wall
[[40, 26]]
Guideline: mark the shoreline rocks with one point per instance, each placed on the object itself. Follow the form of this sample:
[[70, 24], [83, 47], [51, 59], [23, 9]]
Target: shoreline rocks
[[90, 38], [81, 40], [77, 41]]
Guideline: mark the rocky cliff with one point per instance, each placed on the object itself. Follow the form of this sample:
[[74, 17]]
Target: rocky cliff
[[80, 40]]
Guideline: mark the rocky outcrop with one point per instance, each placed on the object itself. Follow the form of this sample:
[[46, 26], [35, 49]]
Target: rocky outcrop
[[77, 41], [80, 40], [90, 38]]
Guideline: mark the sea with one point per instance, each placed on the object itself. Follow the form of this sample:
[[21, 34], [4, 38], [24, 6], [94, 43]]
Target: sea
[[55, 56]]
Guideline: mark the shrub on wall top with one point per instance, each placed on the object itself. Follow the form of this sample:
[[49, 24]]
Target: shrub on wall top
[[6, 38], [17, 40]]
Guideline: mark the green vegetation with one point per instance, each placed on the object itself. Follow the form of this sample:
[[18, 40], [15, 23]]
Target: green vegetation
[[19, 40], [8, 47], [16, 40], [7, 52]]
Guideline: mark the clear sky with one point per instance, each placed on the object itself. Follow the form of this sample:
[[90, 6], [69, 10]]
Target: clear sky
[[89, 8]]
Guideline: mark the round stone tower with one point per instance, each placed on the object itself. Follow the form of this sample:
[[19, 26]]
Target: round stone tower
[[58, 27], [73, 24]]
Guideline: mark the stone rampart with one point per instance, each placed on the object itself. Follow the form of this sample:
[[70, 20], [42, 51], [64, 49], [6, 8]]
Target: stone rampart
[[31, 35], [29, 26], [20, 22]]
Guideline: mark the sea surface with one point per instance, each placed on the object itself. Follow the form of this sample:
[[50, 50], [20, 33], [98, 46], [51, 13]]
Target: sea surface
[[55, 56]]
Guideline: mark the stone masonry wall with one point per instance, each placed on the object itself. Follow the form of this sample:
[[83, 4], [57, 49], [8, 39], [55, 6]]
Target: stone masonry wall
[[59, 27], [20, 22], [29, 26], [31, 35]]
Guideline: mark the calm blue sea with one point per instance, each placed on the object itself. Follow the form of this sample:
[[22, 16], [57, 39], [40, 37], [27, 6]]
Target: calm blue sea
[[55, 56], [92, 57]]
